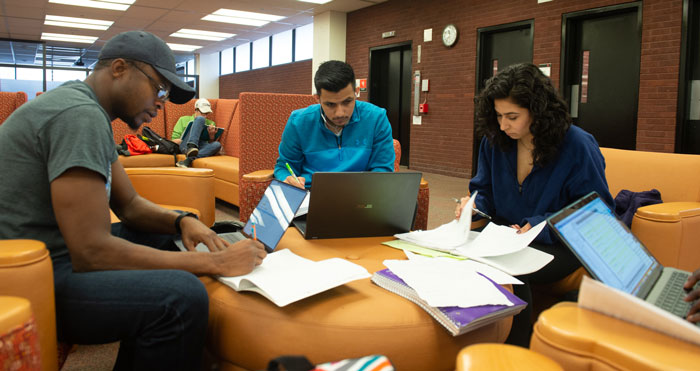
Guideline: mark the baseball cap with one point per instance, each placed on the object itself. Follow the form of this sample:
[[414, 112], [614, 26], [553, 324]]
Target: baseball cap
[[202, 105], [146, 47]]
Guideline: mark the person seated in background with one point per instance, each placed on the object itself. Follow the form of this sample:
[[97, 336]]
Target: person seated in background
[[532, 163], [61, 177], [693, 296], [338, 134], [189, 132]]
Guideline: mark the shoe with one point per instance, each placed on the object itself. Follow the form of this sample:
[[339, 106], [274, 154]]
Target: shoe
[[184, 163], [192, 151]]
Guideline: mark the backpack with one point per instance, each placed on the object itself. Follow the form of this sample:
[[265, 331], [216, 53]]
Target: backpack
[[136, 146], [164, 146], [161, 144]]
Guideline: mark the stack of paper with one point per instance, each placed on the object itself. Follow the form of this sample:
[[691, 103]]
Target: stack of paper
[[499, 246]]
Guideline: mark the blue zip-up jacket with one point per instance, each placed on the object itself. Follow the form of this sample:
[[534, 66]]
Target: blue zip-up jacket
[[577, 170], [365, 143]]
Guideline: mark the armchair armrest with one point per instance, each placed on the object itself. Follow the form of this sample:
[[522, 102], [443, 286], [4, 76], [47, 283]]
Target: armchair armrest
[[260, 176], [671, 231], [252, 188], [26, 271], [189, 188]]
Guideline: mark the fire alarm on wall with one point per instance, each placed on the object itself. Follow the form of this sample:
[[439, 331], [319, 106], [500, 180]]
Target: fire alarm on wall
[[423, 108]]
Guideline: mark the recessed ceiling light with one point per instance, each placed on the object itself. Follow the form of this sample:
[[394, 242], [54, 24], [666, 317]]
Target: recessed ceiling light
[[202, 35], [316, 1], [68, 38], [183, 47], [93, 24], [102, 4], [241, 17]]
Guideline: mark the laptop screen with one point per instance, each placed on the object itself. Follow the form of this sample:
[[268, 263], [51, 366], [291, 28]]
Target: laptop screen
[[604, 244], [274, 213]]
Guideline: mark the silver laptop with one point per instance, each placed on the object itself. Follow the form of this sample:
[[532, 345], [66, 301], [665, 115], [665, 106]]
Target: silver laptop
[[614, 256], [360, 204]]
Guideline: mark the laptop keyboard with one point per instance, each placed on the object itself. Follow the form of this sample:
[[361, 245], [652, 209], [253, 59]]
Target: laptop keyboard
[[671, 298]]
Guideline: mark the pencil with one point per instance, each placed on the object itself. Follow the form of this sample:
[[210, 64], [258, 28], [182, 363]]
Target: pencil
[[255, 233]]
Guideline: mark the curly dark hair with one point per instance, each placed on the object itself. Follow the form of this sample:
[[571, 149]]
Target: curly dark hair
[[529, 88]]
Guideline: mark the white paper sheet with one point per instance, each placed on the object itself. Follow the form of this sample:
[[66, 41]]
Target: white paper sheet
[[496, 275], [496, 240], [445, 282], [601, 298], [446, 236]]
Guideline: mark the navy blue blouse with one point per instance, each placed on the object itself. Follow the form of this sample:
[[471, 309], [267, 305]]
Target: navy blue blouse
[[578, 169]]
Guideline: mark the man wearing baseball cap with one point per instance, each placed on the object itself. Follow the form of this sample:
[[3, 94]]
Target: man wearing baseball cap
[[60, 178], [189, 132]]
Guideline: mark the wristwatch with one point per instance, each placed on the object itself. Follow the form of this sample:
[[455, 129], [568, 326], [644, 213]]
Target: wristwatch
[[179, 219]]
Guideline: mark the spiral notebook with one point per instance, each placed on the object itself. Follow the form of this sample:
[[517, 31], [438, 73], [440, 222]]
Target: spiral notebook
[[456, 320]]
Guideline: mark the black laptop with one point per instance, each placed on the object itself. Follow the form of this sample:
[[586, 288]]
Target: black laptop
[[614, 256], [360, 204]]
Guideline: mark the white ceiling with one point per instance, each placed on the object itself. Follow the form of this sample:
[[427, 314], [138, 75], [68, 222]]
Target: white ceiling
[[24, 20]]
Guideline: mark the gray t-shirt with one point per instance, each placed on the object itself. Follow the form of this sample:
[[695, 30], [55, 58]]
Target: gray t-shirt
[[58, 130]]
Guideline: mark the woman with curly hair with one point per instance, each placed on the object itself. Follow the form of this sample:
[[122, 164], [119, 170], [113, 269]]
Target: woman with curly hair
[[532, 163]]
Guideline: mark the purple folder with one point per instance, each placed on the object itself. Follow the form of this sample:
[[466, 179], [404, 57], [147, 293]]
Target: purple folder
[[457, 320]]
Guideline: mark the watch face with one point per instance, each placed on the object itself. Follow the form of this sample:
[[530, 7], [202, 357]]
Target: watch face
[[449, 35]]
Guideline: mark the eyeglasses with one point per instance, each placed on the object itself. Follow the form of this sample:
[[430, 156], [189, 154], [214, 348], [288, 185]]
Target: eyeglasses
[[162, 92]]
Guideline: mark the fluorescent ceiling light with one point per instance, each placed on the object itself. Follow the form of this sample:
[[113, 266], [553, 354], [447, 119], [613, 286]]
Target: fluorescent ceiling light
[[202, 35], [241, 17], [183, 47], [92, 24], [316, 1], [102, 4], [68, 38]]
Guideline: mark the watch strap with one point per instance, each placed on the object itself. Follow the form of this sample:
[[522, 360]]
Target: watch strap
[[179, 219]]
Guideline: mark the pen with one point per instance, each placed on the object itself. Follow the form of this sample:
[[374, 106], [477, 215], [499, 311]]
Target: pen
[[255, 233], [483, 214], [291, 172]]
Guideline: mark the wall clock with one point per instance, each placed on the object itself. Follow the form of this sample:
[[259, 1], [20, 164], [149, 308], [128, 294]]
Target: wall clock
[[449, 35]]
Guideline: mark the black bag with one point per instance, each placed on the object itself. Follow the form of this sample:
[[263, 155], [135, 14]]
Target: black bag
[[164, 146]]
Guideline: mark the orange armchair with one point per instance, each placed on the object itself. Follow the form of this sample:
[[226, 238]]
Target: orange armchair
[[670, 230], [187, 188], [581, 339], [257, 181]]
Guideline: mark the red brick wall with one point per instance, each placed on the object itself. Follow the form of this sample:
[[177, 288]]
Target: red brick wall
[[291, 78], [443, 143]]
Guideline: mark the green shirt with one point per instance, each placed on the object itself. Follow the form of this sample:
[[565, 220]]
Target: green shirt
[[58, 130], [182, 125]]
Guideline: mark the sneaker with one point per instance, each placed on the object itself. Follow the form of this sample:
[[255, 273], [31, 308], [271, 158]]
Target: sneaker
[[192, 151], [184, 163]]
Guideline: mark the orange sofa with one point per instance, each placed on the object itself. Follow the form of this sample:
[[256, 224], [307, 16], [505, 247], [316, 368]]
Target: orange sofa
[[241, 144], [9, 102]]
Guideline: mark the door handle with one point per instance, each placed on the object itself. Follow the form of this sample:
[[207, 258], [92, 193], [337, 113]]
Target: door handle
[[573, 110]]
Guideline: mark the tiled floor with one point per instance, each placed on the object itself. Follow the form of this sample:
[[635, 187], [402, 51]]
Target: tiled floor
[[442, 207]]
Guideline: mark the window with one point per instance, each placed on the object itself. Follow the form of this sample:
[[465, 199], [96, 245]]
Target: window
[[282, 48], [304, 43], [243, 57], [226, 61], [261, 53], [65, 75], [30, 74], [7, 73]]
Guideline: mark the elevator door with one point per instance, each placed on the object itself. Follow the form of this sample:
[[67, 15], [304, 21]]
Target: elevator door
[[390, 88], [499, 47], [601, 74]]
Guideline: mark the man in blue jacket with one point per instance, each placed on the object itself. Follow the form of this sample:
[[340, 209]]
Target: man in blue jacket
[[338, 134]]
